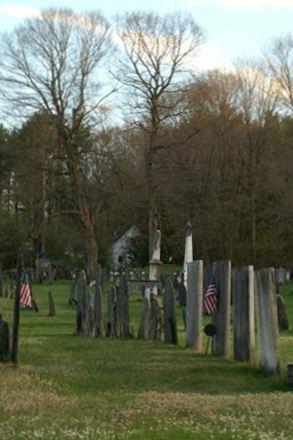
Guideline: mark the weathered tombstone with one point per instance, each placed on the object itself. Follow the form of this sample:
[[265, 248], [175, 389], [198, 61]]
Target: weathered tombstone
[[123, 307], [112, 325], [98, 310], [267, 321], [4, 340], [221, 318], [155, 327], [243, 313], [188, 252], [144, 324], [169, 306], [283, 320], [51, 304], [194, 304]]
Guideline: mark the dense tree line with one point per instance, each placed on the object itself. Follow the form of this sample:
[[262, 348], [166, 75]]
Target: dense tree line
[[214, 148]]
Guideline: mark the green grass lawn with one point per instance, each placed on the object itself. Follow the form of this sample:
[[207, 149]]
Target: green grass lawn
[[71, 387]]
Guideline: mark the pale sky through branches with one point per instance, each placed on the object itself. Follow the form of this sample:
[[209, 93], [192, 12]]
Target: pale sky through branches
[[234, 28]]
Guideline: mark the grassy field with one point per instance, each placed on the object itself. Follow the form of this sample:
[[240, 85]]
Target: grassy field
[[71, 387]]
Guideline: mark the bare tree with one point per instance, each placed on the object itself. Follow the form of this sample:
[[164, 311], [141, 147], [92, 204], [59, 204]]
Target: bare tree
[[50, 63], [157, 56], [256, 102], [279, 57]]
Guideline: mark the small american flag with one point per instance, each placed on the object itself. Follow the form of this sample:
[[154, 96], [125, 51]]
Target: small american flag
[[25, 292], [210, 300]]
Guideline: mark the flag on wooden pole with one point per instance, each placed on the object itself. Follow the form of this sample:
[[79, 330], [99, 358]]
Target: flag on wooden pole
[[210, 299], [25, 292]]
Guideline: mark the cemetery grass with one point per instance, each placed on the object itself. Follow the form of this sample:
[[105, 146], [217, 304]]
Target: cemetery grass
[[71, 387]]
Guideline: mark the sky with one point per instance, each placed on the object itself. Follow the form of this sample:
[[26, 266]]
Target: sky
[[234, 28]]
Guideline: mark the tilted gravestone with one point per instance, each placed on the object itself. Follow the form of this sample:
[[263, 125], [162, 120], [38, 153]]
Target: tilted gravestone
[[267, 321], [169, 306], [194, 305], [243, 313], [221, 318]]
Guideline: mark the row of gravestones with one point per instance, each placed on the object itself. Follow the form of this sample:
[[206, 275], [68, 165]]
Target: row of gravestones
[[253, 294], [254, 299], [89, 313]]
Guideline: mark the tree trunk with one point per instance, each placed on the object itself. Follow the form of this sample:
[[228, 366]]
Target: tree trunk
[[86, 217]]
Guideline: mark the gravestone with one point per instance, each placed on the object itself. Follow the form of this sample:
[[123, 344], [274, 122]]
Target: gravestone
[[81, 299], [221, 319], [283, 320], [194, 304], [280, 276], [243, 313], [4, 340], [267, 321], [169, 306], [182, 294], [144, 324], [112, 325], [98, 310], [123, 307], [155, 326], [51, 305]]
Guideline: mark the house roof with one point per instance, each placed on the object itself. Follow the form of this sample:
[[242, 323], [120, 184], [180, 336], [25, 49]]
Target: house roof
[[121, 231]]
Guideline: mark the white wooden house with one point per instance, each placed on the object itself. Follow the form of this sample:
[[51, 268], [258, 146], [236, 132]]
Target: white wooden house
[[123, 240]]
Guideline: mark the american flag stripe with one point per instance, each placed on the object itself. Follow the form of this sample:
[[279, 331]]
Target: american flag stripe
[[210, 299], [25, 294]]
